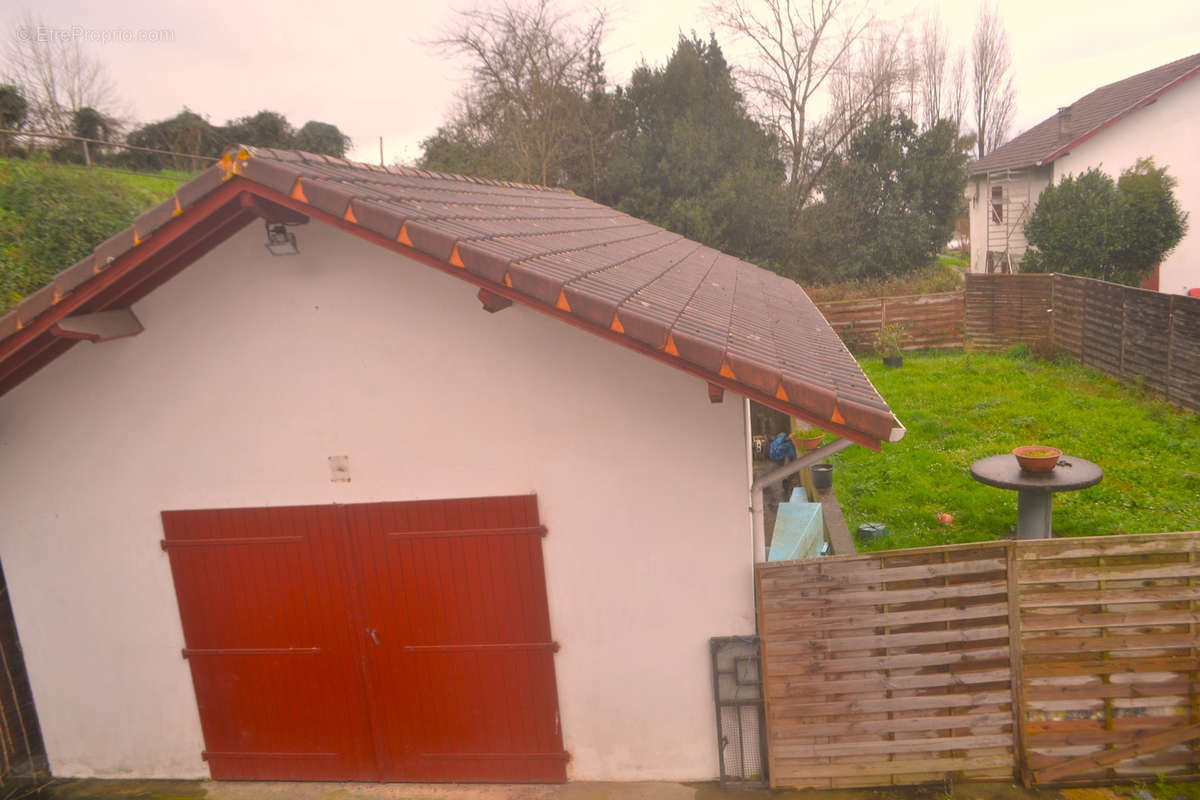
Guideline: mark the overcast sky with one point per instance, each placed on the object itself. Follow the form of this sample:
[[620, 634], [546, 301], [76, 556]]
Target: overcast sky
[[368, 67]]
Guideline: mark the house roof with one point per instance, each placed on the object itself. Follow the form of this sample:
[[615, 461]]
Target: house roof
[[736, 325], [1087, 116]]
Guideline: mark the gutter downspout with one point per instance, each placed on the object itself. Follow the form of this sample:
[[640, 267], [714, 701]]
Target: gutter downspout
[[777, 475]]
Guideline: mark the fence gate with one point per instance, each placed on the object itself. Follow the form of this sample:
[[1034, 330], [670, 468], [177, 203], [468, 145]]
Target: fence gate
[[382, 641]]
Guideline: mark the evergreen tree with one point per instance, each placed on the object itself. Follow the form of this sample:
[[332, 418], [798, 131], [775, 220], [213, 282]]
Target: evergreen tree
[[690, 157], [888, 203]]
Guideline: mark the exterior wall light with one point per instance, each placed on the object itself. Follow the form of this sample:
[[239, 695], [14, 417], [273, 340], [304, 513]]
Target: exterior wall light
[[281, 241]]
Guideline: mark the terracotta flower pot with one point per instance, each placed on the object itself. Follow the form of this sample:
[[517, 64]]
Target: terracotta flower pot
[[813, 443], [1036, 458]]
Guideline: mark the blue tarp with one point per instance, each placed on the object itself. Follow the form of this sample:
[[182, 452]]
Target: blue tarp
[[799, 529]]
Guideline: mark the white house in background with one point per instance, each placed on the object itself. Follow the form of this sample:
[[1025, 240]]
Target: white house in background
[[1153, 114], [322, 516]]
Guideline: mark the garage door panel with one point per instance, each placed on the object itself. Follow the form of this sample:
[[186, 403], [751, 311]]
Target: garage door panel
[[383, 641], [456, 590], [262, 602]]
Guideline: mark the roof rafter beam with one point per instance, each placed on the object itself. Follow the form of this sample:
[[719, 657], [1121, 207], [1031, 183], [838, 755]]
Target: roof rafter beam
[[493, 302], [99, 326]]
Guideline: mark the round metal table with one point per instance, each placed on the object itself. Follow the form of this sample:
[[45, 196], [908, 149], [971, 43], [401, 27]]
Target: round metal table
[[1034, 489]]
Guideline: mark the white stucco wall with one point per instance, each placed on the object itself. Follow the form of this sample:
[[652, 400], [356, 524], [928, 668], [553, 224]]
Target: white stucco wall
[[1166, 130], [251, 372]]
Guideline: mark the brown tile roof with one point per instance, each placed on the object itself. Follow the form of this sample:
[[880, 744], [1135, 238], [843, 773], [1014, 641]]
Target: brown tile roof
[[726, 320], [1088, 115]]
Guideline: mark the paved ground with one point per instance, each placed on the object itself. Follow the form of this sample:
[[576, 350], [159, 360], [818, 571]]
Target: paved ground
[[214, 790]]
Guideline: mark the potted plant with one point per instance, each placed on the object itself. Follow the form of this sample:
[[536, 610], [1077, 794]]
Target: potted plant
[[1037, 458], [808, 439], [887, 344]]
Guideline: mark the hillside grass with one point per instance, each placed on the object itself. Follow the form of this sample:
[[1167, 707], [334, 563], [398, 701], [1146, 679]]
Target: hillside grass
[[52, 215], [945, 274], [959, 407]]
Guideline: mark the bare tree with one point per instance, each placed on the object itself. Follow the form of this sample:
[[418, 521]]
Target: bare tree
[[876, 80], [992, 94], [932, 56], [56, 74], [530, 68], [957, 92], [802, 49]]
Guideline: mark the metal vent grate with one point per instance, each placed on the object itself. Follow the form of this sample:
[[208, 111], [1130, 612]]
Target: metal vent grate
[[737, 691]]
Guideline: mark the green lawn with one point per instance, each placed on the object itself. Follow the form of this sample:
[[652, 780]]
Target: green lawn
[[960, 407]]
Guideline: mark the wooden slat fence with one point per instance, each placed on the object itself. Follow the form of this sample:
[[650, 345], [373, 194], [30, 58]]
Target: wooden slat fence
[[1001, 313], [885, 668], [930, 321], [1135, 335], [1109, 647], [1066, 660]]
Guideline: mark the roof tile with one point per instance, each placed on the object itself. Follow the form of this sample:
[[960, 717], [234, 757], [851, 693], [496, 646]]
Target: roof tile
[[72, 276], [113, 248], [1086, 116], [727, 319], [149, 221], [199, 186], [280, 177]]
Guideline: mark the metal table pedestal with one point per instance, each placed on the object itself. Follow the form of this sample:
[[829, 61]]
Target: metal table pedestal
[[1035, 489]]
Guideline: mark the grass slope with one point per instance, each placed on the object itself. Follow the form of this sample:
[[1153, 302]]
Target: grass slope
[[961, 407], [52, 215]]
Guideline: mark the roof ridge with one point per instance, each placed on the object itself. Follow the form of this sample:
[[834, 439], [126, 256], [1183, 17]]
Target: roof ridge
[[416, 172], [1101, 107], [1144, 72]]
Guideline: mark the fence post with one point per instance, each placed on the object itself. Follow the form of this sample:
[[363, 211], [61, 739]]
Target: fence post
[[1121, 363], [1170, 344], [1083, 319], [1016, 672], [87, 157], [1053, 315]]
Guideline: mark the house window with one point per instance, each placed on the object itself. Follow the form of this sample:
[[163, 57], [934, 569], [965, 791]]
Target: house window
[[997, 204]]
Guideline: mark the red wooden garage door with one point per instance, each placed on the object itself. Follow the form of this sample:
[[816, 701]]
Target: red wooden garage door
[[383, 641]]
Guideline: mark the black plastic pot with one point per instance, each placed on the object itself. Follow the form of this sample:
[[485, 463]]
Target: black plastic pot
[[822, 476], [893, 361]]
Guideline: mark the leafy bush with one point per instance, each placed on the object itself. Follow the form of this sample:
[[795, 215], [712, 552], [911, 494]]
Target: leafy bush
[[51, 216], [1116, 231], [888, 340]]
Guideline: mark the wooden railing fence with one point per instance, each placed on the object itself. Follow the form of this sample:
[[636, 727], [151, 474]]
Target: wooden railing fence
[[1067, 661], [931, 321]]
